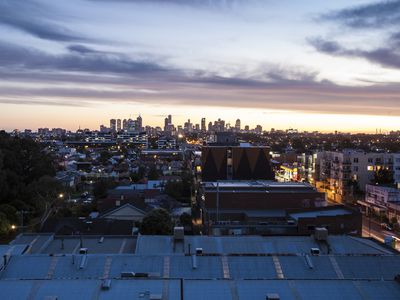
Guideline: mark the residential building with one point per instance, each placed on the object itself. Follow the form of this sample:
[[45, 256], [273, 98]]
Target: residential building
[[342, 174], [383, 200]]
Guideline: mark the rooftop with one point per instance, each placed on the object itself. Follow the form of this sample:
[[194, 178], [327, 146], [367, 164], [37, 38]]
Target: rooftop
[[256, 245], [257, 184], [321, 213], [234, 267], [70, 244]]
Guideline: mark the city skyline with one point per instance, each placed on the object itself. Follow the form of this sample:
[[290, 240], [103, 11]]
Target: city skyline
[[317, 65], [180, 120]]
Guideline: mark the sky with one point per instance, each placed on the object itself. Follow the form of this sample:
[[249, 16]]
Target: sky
[[311, 65]]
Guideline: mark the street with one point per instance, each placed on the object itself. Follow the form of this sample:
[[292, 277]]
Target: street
[[372, 228]]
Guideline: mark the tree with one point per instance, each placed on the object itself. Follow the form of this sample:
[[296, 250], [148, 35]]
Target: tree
[[104, 157], [157, 222], [185, 219], [26, 177], [5, 225], [383, 176], [101, 187], [153, 173], [174, 189]]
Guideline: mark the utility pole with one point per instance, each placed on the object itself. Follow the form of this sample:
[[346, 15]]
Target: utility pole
[[217, 217]]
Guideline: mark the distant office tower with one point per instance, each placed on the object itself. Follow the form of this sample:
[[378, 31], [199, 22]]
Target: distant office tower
[[197, 127], [258, 129], [210, 126], [246, 128], [237, 125], [188, 126], [169, 119], [203, 125], [236, 163], [118, 125], [125, 124], [180, 129], [139, 123], [113, 125], [166, 123]]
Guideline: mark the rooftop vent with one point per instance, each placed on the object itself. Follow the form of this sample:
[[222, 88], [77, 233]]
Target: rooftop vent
[[83, 250], [179, 233], [106, 284], [101, 240], [127, 274], [315, 251], [321, 234], [199, 251]]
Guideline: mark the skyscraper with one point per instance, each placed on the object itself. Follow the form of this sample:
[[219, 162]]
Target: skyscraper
[[166, 123], [237, 125], [125, 125], [118, 125], [139, 123], [113, 125], [203, 125]]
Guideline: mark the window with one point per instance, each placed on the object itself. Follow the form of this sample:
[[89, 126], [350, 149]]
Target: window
[[355, 159], [355, 169], [370, 168], [370, 160]]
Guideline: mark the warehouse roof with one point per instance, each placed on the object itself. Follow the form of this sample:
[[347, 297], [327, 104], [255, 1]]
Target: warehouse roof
[[201, 289], [236, 267], [341, 244]]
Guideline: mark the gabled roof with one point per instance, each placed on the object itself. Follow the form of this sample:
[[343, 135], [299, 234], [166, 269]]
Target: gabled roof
[[119, 208]]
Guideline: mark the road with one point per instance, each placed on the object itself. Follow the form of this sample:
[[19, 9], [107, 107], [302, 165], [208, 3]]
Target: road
[[372, 228]]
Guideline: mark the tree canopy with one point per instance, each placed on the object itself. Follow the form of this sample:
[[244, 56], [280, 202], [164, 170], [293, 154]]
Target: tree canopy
[[157, 222], [26, 179]]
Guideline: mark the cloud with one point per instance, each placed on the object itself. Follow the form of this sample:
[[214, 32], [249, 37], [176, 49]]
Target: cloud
[[36, 20], [384, 15], [198, 3], [374, 15], [387, 57], [82, 60], [84, 76]]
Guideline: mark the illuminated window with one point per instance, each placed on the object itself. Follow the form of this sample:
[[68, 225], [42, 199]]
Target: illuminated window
[[370, 168]]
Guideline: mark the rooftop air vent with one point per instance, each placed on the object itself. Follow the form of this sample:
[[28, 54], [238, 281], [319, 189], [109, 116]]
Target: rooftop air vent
[[179, 233], [321, 234], [314, 251], [106, 284], [83, 250], [127, 274]]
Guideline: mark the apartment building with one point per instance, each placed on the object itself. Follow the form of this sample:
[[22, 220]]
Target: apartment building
[[383, 200], [343, 174]]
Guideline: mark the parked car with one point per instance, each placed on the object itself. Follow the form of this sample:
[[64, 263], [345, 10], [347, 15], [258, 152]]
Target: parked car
[[386, 226]]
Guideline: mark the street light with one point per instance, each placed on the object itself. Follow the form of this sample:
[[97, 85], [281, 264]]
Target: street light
[[61, 195], [13, 227]]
